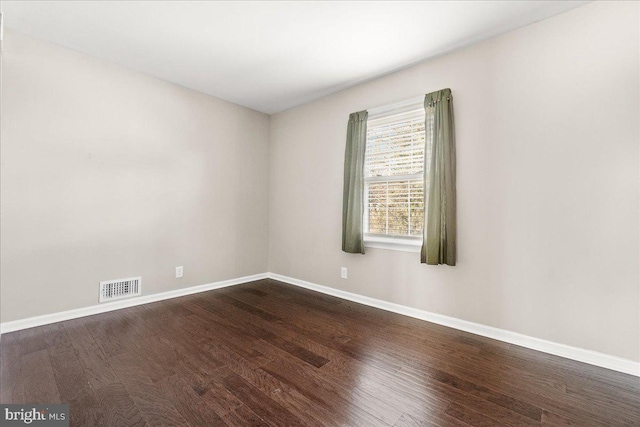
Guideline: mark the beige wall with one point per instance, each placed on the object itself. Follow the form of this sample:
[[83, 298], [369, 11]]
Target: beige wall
[[548, 134], [107, 173]]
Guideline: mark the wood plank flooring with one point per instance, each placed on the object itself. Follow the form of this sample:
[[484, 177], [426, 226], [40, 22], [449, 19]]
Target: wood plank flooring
[[270, 354]]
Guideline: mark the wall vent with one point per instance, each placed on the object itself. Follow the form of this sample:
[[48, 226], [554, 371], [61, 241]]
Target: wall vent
[[121, 288]]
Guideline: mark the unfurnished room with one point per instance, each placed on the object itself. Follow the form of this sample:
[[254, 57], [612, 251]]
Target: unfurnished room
[[320, 213]]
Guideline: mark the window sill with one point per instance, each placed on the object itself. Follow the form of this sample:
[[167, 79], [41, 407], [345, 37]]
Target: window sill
[[393, 244]]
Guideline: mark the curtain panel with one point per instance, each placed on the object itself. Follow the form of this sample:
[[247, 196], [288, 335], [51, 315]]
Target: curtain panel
[[439, 233], [353, 192]]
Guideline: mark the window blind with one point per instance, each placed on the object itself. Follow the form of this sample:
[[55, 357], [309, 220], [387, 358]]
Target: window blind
[[394, 162]]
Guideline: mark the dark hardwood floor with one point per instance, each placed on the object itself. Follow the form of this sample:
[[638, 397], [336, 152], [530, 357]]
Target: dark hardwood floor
[[270, 354]]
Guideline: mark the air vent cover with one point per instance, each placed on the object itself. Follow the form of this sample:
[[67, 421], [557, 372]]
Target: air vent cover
[[121, 288]]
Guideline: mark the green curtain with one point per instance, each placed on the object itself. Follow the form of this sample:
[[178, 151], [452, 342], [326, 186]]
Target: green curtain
[[352, 198], [439, 233]]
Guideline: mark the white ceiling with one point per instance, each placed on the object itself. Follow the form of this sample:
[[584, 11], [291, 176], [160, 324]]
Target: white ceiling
[[270, 56]]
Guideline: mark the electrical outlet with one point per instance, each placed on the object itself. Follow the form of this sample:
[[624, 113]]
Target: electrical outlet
[[343, 272], [179, 272]]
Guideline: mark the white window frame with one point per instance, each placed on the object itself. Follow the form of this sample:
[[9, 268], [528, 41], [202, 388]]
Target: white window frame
[[379, 241]]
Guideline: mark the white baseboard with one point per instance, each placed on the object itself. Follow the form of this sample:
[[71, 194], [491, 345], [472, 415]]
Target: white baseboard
[[46, 319], [579, 354], [562, 350]]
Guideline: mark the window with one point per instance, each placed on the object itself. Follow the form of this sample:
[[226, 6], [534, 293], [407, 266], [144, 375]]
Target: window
[[393, 177]]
